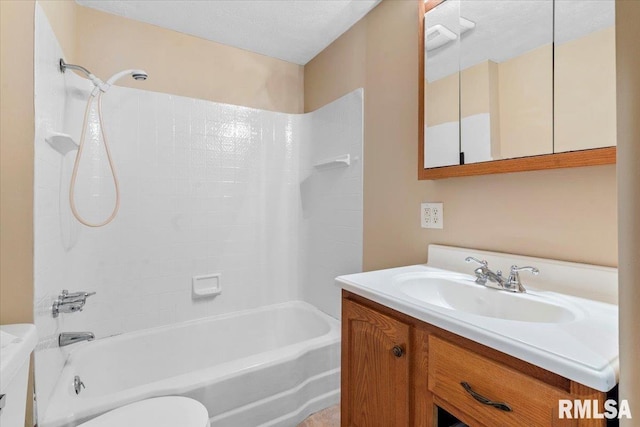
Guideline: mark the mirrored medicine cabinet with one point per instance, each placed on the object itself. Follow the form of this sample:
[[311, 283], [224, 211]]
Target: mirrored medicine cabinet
[[515, 85]]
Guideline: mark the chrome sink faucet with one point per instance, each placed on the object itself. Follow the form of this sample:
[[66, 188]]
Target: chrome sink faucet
[[512, 283]]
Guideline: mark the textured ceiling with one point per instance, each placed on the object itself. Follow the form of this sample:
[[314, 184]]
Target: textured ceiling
[[291, 30], [507, 28]]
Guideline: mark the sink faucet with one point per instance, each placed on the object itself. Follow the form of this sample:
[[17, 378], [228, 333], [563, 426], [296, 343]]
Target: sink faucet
[[68, 338], [512, 283]]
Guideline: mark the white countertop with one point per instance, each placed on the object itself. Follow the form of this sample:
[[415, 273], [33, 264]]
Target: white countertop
[[584, 350]]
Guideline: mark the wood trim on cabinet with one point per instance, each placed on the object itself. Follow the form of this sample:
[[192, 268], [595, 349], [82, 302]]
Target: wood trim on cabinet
[[421, 404], [591, 157], [421, 59], [572, 159], [583, 392]]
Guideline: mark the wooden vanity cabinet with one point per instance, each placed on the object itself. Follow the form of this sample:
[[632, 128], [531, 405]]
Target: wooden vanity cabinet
[[397, 371], [374, 350]]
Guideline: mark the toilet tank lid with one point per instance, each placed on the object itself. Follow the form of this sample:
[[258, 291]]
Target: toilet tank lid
[[167, 411], [17, 352]]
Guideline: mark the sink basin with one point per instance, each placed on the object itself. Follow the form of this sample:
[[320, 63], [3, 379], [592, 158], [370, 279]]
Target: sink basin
[[461, 293]]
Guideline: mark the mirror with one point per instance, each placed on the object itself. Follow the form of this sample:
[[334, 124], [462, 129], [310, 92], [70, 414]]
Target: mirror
[[584, 75], [506, 82], [516, 81], [442, 84]]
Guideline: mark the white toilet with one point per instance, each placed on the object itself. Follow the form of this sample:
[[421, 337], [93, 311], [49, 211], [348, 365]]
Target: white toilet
[[16, 344], [168, 411]]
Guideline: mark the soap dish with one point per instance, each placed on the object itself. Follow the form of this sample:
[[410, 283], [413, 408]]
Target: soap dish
[[61, 142], [207, 285]]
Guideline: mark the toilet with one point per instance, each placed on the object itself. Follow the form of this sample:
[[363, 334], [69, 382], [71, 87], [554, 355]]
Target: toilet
[[16, 344], [167, 411]]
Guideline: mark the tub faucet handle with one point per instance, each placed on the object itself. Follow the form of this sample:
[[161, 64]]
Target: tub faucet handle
[[65, 295], [78, 385], [70, 302]]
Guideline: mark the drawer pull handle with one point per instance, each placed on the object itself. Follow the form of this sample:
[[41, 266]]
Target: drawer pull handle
[[484, 400], [397, 351]]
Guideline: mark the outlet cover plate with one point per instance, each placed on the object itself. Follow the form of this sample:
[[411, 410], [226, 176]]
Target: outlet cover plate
[[432, 215]]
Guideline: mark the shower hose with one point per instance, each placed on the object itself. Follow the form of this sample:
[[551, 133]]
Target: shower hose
[[76, 166]]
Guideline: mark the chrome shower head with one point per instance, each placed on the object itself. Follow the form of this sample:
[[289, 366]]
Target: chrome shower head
[[140, 75]]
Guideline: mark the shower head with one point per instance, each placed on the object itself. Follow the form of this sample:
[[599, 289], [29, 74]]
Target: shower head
[[139, 75], [136, 74]]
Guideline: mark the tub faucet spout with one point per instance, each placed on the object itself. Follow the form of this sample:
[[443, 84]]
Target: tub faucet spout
[[68, 338]]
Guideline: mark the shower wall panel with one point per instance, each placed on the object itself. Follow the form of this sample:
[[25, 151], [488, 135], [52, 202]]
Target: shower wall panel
[[206, 188]]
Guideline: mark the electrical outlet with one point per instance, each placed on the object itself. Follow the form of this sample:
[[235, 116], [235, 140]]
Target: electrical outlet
[[431, 215]]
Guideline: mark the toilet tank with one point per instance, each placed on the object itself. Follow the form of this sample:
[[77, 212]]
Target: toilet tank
[[16, 344]]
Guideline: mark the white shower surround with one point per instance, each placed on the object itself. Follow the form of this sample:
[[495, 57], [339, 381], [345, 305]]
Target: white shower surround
[[206, 188]]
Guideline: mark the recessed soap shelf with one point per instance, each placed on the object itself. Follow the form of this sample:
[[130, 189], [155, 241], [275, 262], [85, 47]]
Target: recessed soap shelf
[[207, 285], [343, 160], [61, 142]]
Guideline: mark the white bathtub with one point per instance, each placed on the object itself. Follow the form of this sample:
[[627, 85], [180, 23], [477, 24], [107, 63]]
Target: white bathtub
[[271, 366]]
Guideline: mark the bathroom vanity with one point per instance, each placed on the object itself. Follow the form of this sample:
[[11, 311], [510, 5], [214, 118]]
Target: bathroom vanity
[[422, 343]]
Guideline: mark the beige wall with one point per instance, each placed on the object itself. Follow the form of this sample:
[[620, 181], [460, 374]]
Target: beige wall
[[16, 166], [16, 161], [585, 92], [480, 93], [568, 214], [62, 14], [177, 63], [526, 104], [628, 129], [447, 92], [475, 92]]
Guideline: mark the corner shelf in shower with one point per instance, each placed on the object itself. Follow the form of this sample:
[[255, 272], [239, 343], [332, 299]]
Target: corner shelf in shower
[[61, 142], [343, 160]]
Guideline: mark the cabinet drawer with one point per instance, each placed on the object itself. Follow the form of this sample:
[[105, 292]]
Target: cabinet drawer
[[532, 402]]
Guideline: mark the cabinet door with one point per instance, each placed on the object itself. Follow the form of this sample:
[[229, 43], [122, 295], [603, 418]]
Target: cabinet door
[[375, 368]]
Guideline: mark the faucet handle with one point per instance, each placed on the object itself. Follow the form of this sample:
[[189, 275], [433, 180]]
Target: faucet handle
[[75, 297], [70, 303], [515, 269], [476, 260], [82, 294], [513, 283]]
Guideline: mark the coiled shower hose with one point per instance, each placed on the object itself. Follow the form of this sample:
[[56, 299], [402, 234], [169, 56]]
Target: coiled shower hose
[[76, 166]]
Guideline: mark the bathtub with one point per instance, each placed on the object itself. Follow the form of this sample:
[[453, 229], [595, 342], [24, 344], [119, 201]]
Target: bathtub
[[271, 366]]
